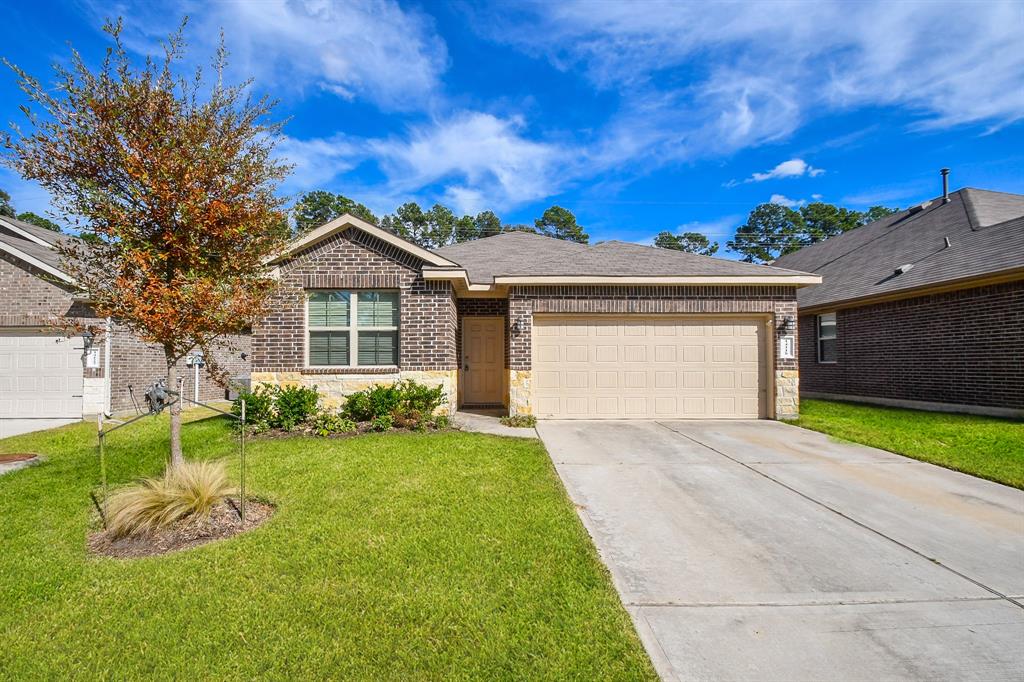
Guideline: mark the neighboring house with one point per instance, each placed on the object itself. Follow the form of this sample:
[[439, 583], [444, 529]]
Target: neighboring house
[[923, 308], [535, 325], [48, 379]]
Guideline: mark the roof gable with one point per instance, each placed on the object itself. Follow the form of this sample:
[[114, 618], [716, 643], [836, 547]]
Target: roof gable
[[349, 221]]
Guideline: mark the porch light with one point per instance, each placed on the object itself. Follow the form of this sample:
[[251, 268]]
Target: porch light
[[87, 339]]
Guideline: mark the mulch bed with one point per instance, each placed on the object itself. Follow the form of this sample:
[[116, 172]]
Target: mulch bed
[[16, 457], [224, 522]]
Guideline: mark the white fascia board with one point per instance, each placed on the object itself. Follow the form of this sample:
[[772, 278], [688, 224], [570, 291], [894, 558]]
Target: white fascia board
[[781, 280]]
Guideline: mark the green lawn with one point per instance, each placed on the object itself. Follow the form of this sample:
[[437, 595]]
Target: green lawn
[[982, 446], [390, 557]]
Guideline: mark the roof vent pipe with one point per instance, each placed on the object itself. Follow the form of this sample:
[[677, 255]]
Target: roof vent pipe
[[945, 185], [946, 239]]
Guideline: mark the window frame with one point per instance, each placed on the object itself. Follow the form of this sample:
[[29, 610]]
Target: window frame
[[820, 338], [352, 329]]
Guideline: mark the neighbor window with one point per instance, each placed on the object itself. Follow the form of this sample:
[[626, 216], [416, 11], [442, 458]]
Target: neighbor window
[[827, 338], [353, 328]]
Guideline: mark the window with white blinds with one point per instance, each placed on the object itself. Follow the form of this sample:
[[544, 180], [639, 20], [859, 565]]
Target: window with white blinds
[[352, 329]]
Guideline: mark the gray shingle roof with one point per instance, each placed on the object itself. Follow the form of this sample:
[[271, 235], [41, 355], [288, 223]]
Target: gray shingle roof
[[525, 254], [985, 230], [46, 254]]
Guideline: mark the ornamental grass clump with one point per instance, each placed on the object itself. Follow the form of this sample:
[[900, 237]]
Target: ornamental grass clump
[[189, 489]]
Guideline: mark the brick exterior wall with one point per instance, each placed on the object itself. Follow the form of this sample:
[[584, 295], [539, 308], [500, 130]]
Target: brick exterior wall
[[34, 299], [962, 347], [138, 364], [355, 260]]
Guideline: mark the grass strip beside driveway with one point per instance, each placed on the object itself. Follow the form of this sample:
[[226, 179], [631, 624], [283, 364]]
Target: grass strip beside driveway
[[987, 447], [391, 556]]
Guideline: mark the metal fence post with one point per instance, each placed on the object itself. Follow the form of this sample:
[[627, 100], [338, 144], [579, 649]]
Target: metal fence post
[[241, 453], [103, 464]]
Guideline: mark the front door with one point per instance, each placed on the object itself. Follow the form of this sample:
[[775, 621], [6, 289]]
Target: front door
[[483, 360]]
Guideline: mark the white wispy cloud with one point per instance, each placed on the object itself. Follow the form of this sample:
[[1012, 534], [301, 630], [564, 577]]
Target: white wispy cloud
[[374, 50], [711, 78], [793, 168], [471, 160], [783, 200]]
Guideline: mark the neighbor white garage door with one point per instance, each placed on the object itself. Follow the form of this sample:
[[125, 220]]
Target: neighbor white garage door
[[603, 367], [40, 381]]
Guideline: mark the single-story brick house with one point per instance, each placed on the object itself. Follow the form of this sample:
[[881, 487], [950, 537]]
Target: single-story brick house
[[48, 379], [535, 325], [924, 308]]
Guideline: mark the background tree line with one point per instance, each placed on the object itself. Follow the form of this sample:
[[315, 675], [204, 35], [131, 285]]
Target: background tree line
[[6, 209], [771, 230], [434, 227]]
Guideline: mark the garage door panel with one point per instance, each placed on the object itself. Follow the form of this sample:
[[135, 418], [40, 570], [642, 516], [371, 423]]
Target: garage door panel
[[648, 367], [40, 376], [575, 353]]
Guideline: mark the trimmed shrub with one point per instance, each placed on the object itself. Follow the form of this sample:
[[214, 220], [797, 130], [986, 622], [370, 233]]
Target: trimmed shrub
[[191, 489], [259, 407], [295, 405], [405, 401], [330, 423], [442, 422], [419, 397]]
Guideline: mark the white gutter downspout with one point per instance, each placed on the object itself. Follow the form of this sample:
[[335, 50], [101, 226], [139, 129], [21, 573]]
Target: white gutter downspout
[[106, 367]]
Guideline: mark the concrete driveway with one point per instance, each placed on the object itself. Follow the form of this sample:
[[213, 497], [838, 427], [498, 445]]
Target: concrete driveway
[[761, 551]]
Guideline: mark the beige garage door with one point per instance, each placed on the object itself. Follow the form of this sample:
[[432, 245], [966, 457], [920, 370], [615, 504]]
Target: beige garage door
[[600, 367]]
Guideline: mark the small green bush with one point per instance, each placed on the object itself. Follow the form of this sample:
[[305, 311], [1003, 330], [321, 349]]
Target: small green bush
[[259, 407], [520, 421], [442, 422], [419, 397], [405, 401], [295, 405], [330, 423], [382, 423]]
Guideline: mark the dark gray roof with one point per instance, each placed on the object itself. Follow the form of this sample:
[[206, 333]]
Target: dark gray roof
[[48, 236], [985, 230], [526, 254], [46, 254]]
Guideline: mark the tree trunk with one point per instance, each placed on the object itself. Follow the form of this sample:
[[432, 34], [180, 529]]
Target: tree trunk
[[172, 385]]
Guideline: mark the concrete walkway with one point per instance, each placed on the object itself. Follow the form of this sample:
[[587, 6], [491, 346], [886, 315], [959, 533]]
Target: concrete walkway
[[761, 551], [490, 422]]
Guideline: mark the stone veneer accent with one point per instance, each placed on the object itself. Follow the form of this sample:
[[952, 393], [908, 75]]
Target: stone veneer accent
[[777, 301], [963, 347], [335, 388], [354, 260]]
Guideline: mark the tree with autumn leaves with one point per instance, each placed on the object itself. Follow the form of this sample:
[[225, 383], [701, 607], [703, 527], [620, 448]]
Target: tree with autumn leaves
[[176, 181]]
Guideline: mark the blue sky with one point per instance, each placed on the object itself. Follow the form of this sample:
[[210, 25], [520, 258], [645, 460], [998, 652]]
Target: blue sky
[[639, 117]]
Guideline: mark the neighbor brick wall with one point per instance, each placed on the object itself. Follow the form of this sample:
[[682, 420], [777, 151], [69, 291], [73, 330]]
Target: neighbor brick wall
[[525, 301], [355, 260], [32, 299], [138, 364], [963, 347]]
